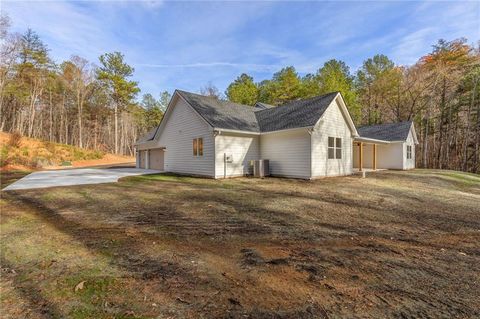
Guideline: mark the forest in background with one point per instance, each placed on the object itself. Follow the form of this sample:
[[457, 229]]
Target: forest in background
[[76, 102], [97, 105]]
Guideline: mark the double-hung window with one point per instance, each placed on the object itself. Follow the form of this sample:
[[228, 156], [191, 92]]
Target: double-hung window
[[198, 146], [334, 148], [409, 151]]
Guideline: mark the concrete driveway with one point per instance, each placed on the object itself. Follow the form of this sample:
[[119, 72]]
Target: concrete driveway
[[79, 176]]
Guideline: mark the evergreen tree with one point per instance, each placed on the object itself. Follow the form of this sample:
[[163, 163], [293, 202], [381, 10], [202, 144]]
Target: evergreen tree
[[375, 80], [243, 90], [114, 74], [335, 76]]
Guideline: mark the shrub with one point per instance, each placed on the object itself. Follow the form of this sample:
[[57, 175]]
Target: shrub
[[97, 155], [15, 140], [4, 156], [49, 146], [78, 154]]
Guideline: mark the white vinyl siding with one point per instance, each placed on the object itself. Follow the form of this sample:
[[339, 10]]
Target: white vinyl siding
[[182, 126], [332, 124], [288, 152], [409, 163], [242, 149]]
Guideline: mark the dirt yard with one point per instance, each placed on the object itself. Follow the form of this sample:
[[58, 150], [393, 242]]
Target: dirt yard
[[396, 245]]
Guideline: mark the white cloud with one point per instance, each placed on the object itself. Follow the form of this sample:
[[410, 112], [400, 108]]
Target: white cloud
[[434, 21], [246, 66], [187, 44], [412, 46]]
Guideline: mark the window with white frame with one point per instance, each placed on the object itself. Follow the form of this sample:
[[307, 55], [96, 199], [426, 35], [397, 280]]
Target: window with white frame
[[334, 148], [409, 151], [198, 146]]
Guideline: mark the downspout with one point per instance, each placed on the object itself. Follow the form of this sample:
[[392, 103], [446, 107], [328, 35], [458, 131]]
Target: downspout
[[310, 132], [224, 165], [215, 134]]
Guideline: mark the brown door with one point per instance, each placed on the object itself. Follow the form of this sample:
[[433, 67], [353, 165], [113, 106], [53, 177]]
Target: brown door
[[157, 158]]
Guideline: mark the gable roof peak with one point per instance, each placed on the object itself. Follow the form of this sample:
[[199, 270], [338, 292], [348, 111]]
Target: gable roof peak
[[294, 114]]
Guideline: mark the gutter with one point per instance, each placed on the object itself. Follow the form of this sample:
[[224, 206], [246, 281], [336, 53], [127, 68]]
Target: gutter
[[216, 129], [372, 140]]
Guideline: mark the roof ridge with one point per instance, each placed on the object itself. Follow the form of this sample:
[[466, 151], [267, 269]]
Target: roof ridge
[[215, 99], [310, 99], [384, 124]]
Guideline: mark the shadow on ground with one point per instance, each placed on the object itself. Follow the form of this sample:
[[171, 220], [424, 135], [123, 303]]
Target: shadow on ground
[[398, 244]]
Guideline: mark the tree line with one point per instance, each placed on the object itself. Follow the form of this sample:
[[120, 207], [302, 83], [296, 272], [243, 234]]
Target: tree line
[[97, 106], [74, 102], [440, 93]]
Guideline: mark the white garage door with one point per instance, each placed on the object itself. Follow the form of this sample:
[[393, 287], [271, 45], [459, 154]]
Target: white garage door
[[156, 158]]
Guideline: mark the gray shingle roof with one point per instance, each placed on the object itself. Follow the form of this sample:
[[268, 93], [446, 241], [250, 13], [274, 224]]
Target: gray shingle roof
[[300, 113], [262, 106], [233, 116], [223, 114], [387, 132], [260, 118], [148, 136]]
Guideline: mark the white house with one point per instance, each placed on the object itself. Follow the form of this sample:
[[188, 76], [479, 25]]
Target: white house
[[306, 139]]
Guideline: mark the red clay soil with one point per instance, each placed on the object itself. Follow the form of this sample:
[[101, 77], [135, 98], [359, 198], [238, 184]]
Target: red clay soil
[[108, 159]]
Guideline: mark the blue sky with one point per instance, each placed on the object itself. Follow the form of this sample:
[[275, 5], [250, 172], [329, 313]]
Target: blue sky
[[185, 45]]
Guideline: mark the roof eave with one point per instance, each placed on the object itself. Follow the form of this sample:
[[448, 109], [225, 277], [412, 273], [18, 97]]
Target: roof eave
[[235, 131], [262, 133], [371, 140], [289, 129]]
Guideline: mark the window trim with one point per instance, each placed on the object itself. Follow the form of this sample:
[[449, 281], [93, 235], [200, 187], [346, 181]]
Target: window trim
[[409, 152], [335, 148]]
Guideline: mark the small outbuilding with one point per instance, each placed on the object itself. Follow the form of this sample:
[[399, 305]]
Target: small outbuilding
[[385, 146]]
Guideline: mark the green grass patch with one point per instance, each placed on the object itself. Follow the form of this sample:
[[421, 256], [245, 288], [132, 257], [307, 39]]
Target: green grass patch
[[164, 177], [467, 179]]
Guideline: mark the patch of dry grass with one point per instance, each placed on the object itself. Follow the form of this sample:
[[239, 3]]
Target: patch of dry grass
[[395, 244]]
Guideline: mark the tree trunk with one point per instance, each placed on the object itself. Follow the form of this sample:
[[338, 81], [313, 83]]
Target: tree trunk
[[80, 111], [467, 130], [50, 132], [116, 128], [425, 140]]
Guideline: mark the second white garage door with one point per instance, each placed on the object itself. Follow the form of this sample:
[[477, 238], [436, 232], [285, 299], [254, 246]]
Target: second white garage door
[[156, 159]]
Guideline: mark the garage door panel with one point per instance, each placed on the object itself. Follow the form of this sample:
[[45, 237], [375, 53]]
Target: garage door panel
[[157, 159]]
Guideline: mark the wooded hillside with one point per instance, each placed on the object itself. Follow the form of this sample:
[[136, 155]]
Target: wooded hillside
[[73, 102], [97, 105], [23, 153]]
